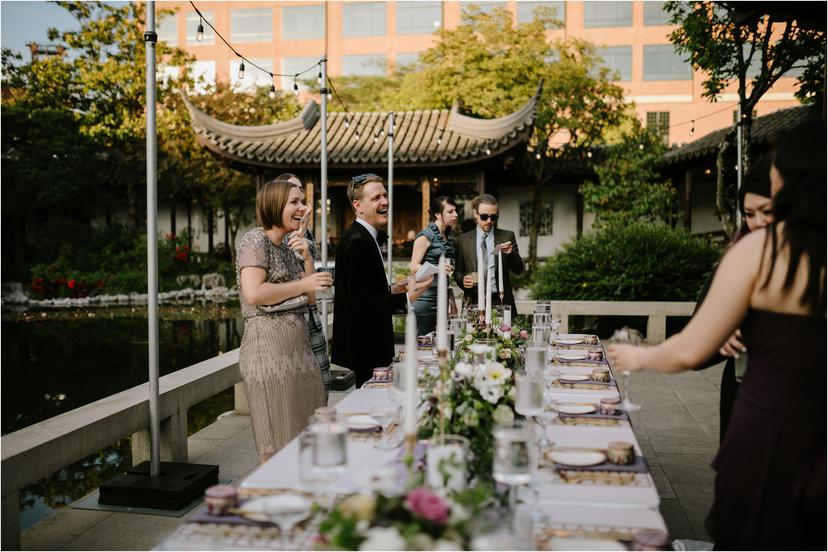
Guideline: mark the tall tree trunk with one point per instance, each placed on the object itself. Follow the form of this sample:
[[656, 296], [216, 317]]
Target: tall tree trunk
[[724, 204]]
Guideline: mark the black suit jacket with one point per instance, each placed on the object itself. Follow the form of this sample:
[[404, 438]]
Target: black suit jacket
[[466, 262], [363, 333]]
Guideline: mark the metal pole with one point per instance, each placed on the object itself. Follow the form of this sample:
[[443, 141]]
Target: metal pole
[[390, 196], [323, 182], [738, 163], [150, 39]]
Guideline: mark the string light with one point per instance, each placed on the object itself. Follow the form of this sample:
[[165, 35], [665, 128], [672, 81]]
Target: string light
[[589, 154], [241, 71], [319, 77], [200, 30], [272, 93], [538, 156], [641, 146], [692, 128]]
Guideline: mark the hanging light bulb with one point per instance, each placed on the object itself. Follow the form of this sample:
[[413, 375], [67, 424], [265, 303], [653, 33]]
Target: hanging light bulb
[[347, 123], [375, 139], [488, 150], [641, 146], [272, 92], [589, 154], [241, 71], [538, 156], [295, 88], [440, 139], [200, 31], [319, 78], [692, 128]]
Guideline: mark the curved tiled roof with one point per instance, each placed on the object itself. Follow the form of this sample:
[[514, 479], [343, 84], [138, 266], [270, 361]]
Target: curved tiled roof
[[426, 137], [761, 131]]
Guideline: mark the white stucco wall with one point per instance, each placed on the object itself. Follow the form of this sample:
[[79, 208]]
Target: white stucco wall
[[564, 218]]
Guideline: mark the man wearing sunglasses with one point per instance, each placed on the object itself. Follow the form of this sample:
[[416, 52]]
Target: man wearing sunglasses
[[363, 333], [484, 242]]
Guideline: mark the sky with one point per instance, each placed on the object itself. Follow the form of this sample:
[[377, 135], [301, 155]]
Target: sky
[[22, 22]]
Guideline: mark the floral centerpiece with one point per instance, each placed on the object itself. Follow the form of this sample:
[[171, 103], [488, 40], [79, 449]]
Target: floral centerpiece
[[419, 519], [475, 392]]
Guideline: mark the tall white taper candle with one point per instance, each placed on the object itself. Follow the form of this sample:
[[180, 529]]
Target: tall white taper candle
[[410, 372], [442, 306], [481, 283], [488, 302], [500, 271]]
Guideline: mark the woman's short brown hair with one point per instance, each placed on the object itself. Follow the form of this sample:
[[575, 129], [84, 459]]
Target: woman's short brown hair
[[271, 200]]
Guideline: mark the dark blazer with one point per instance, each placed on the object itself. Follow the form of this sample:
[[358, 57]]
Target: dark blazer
[[466, 262], [363, 333]]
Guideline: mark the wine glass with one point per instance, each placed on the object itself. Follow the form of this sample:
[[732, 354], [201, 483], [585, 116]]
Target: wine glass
[[286, 510], [627, 335], [385, 414]]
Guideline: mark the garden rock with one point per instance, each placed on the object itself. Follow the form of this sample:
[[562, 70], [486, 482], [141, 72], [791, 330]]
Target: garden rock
[[192, 279], [212, 280]]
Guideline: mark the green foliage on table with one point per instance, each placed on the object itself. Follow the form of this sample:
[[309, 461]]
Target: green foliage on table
[[628, 187], [635, 262]]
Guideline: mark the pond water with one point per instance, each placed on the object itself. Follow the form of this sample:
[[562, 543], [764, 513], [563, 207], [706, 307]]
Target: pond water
[[55, 361]]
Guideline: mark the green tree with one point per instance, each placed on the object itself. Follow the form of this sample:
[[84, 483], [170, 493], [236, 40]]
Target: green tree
[[628, 187], [755, 53], [490, 66]]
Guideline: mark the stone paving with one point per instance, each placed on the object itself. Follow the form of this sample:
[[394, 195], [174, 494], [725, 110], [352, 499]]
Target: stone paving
[[678, 429]]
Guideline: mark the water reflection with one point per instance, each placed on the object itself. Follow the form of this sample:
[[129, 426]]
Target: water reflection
[[54, 364]]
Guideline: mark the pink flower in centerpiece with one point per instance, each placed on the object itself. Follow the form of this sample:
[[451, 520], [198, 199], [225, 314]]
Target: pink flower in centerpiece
[[524, 334], [504, 328], [427, 505]]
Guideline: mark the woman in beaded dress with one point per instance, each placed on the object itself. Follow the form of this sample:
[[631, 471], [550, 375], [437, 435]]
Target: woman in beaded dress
[[431, 242], [281, 375]]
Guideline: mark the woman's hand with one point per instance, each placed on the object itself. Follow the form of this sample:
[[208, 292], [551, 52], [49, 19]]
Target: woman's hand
[[627, 358], [316, 282], [299, 244], [733, 346]]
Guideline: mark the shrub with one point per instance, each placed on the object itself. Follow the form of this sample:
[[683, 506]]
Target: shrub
[[636, 262]]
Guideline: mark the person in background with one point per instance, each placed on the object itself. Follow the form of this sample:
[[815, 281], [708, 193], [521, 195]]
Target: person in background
[[433, 241], [482, 241], [770, 489], [757, 212], [363, 333], [281, 376], [319, 344]]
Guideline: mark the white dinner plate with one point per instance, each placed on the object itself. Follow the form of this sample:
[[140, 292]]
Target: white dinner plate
[[576, 408], [569, 341], [571, 356], [576, 458], [575, 543], [266, 507], [362, 422], [573, 377]]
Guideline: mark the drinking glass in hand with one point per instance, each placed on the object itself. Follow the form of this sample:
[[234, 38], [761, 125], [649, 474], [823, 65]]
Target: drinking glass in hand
[[627, 335], [328, 292]]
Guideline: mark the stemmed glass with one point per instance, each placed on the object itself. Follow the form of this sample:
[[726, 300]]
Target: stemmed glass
[[627, 335], [286, 511], [385, 414]]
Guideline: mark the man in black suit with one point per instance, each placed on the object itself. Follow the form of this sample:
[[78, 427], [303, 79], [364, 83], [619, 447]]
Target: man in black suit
[[363, 333], [483, 241]]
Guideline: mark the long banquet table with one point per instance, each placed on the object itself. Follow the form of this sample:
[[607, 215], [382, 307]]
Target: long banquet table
[[580, 507]]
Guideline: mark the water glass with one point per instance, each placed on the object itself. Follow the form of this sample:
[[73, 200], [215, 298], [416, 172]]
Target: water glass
[[543, 306], [535, 356], [514, 456], [540, 335], [529, 393], [540, 318], [329, 448], [328, 292], [446, 459]]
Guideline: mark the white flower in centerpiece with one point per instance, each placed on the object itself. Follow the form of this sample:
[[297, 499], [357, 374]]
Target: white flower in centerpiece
[[421, 541], [479, 349], [383, 538], [446, 544], [469, 338], [496, 373], [464, 369], [505, 353], [491, 392], [448, 411], [512, 394], [503, 415], [458, 514]]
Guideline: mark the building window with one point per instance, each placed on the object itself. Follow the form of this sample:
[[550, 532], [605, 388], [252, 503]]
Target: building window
[[545, 228], [168, 29], [192, 26], [607, 14], [418, 17], [303, 22], [617, 58], [291, 66], [404, 59], [204, 75], [363, 19], [370, 65], [526, 10], [655, 15], [252, 76], [485, 7], [661, 62], [251, 25], [659, 122]]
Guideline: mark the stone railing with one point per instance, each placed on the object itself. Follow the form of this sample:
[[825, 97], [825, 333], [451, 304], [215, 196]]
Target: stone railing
[[655, 311]]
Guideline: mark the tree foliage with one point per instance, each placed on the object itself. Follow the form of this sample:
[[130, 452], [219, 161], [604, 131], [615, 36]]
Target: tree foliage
[[628, 187], [755, 54]]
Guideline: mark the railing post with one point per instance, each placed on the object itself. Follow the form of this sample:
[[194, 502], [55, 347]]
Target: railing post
[[173, 440], [656, 328], [240, 399], [11, 521]]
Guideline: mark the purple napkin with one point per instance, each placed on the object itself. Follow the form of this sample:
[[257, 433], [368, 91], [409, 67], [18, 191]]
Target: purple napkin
[[639, 466], [203, 516], [610, 383]]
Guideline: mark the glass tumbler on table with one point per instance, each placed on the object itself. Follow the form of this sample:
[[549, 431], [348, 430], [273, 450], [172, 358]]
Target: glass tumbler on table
[[329, 454], [633, 337], [514, 457], [529, 400]]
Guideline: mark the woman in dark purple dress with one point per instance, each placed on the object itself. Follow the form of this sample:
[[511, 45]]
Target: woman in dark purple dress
[[770, 482]]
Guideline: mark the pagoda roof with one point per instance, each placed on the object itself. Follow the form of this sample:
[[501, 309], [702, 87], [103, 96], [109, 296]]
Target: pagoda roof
[[439, 137]]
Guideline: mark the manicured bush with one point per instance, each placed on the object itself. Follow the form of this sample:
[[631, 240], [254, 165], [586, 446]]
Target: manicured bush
[[636, 262]]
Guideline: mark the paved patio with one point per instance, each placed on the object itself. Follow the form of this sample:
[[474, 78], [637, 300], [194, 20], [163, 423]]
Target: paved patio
[[678, 430]]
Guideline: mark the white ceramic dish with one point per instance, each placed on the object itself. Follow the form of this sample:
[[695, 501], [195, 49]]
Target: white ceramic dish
[[570, 341], [362, 422], [576, 408], [575, 543], [264, 508], [577, 459], [571, 356], [573, 377]]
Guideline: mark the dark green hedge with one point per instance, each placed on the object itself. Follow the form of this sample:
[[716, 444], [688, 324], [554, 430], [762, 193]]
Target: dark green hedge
[[637, 262]]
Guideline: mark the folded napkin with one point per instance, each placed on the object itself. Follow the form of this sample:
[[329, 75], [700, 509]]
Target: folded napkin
[[596, 415], [639, 466]]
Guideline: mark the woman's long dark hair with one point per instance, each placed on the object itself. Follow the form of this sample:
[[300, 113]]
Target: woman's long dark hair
[[756, 181], [438, 204], [799, 156]]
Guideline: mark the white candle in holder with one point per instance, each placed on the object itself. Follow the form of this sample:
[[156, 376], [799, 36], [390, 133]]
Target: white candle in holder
[[499, 271], [481, 280], [488, 302], [410, 373], [442, 306]]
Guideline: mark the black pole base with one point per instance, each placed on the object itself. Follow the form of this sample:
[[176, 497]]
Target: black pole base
[[177, 485]]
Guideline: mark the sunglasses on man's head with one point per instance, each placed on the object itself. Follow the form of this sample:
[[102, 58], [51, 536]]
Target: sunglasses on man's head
[[363, 177], [484, 217]]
